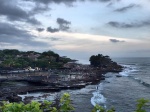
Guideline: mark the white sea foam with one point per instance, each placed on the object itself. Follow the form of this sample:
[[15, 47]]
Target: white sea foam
[[136, 78], [98, 98], [30, 94], [40, 96], [128, 69]]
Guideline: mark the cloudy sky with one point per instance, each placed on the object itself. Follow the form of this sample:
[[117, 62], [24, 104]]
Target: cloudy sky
[[77, 28]]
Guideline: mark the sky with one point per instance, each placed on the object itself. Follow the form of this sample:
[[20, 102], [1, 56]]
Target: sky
[[77, 28]]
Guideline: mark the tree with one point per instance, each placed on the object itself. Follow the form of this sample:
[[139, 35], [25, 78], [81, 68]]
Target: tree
[[11, 52], [99, 60]]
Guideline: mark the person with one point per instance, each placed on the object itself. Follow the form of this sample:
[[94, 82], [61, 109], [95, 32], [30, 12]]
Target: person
[[96, 87]]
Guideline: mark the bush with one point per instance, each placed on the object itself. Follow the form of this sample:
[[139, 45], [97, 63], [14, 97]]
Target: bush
[[46, 106], [65, 106]]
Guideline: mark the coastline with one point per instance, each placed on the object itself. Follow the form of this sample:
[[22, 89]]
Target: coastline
[[50, 82]]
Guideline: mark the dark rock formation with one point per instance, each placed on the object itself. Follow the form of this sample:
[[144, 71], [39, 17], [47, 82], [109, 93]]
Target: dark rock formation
[[118, 75], [14, 98]]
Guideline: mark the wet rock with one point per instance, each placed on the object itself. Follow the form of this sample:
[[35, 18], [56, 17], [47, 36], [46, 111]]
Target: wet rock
[[14, 98], [118, 75], [1, 94], [103, 78], [106, 81], [28, 99]]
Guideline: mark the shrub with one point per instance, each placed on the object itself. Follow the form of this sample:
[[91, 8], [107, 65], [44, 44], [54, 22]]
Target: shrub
[[65, 106]]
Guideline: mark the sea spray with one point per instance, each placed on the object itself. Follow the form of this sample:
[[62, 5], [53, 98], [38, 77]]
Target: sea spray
[[127, 70], [39, 96], [98, 98]]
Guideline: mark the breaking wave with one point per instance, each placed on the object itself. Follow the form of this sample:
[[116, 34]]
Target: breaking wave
[[98, 98], [128, 69]]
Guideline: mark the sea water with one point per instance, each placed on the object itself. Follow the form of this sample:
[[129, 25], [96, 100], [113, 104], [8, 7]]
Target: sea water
[[123, 92]]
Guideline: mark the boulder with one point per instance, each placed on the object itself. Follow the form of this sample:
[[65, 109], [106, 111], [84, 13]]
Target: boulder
[[28, 99]]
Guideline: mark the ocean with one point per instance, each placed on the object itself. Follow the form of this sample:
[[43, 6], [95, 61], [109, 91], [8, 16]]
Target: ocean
[[119, 92], [123, 92]]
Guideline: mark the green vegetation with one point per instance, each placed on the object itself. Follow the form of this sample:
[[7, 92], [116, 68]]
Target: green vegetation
[[142, 103], [65, 106], [15, 59], [100, 60], [104, 63]]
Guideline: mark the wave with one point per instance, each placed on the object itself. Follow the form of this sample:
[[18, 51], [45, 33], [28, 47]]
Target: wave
[[128, 69], [142, 82], [98, 98], [39, 96], [145, 64], [132, 64]]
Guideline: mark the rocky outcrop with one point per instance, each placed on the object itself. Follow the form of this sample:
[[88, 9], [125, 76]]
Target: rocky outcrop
[[54, 83], [14, 98]]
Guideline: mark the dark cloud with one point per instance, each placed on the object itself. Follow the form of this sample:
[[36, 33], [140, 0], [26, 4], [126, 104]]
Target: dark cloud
[[39, 8], [62, 21], [54, 39], [52, 30], [33, 21], [9, 33], [63, 24], [115, 40], [66, 2], [129, 25], [123, 9], [14, 13], [120, 25], [112, 2], [40, 29], [11, 30], [104, 0], [11, 11]]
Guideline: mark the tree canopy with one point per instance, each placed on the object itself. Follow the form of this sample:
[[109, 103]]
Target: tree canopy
[[100, 60], [13, 58]]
